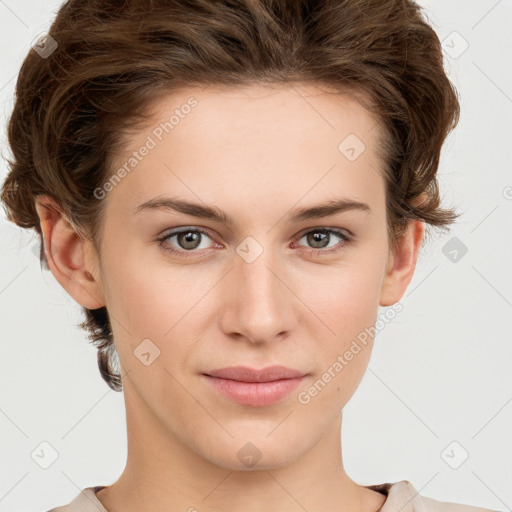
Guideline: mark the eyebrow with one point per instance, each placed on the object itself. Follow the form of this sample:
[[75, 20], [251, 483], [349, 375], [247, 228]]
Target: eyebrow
[[213, 213]]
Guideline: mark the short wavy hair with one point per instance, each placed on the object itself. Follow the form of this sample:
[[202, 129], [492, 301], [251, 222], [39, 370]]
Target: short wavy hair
[[114, 57]]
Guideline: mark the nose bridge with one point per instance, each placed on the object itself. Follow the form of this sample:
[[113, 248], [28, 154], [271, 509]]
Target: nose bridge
[[257, 282], [260, 305]]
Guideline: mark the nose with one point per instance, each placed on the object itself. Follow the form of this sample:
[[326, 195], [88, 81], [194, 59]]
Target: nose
[[259, 303]]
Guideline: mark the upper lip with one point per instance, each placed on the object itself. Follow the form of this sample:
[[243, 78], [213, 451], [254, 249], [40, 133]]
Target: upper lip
[[246, 374]]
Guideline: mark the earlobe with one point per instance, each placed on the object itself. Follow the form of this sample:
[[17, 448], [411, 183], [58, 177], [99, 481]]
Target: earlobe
[[67, 254], [401, 264]]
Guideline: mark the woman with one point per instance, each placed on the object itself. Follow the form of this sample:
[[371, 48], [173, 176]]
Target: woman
[[230, 190]]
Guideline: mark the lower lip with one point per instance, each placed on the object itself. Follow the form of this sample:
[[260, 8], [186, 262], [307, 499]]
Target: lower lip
[[256, 394]]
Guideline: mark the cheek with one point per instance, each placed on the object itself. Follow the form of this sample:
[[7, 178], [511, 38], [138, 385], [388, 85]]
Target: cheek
[[138, 286], [138, 297], [158, 302], [350, 312], [347, 302], [345, 297], [142, 298]]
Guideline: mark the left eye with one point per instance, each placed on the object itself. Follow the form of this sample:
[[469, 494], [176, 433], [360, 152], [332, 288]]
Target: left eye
[[189, 240], [322, 236]]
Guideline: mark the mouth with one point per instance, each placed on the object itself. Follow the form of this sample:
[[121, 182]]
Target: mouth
[[246, 374], [253, 387]]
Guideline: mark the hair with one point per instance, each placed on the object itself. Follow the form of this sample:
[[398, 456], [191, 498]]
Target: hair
[[115, 57]]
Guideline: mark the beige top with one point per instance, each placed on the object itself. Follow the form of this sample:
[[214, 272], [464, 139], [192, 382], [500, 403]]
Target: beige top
[[401, 496]]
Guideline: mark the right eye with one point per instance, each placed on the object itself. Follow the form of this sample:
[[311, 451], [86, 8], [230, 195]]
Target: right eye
[[187, 239]]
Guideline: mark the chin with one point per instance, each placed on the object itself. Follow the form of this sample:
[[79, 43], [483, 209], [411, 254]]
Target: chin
[[252, 453]]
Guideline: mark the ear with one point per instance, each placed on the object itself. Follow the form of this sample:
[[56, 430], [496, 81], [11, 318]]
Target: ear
[[401, 263], [71, 258]]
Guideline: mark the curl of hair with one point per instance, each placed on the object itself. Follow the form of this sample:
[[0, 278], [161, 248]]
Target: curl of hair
[[115, 57]]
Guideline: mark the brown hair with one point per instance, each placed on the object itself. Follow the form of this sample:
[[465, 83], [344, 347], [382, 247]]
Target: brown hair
[[114, 57]]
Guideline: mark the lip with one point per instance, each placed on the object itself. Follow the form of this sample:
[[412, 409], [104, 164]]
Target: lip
[[257, 388]]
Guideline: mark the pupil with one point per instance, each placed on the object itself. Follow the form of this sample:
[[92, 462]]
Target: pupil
[[318, 236], [190, 238]]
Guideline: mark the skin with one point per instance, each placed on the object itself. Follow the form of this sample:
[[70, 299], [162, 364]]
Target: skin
[[257, 153]]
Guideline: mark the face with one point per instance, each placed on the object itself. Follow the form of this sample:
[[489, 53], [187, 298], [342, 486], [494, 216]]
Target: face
[[191, 294]]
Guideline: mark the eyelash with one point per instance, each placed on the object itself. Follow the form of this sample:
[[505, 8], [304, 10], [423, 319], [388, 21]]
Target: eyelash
[[313, 252]]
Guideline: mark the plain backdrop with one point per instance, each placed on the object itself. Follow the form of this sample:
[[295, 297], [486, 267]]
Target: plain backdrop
[[435, 406]]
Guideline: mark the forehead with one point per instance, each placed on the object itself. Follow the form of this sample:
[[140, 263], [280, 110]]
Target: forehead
[[231, 114], [253, 139]]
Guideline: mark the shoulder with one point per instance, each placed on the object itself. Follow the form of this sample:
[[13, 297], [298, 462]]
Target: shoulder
[[404, 497], [85, 501]]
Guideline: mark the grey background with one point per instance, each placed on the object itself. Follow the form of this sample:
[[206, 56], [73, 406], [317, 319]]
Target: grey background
[[440, 372]]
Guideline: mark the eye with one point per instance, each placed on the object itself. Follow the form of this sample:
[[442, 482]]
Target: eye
[[187, 239], [320, 238]]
